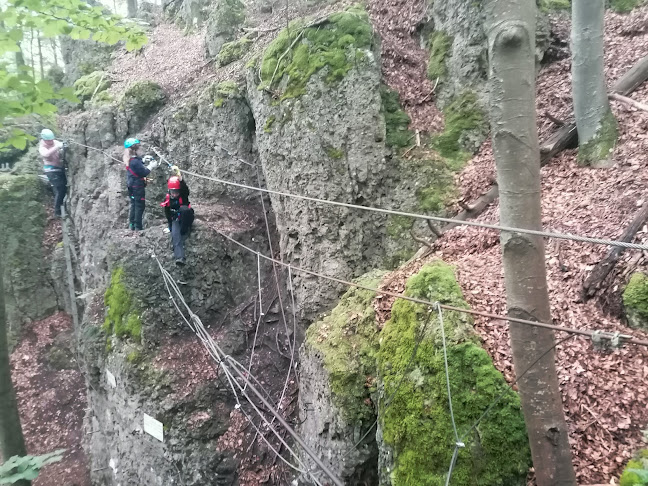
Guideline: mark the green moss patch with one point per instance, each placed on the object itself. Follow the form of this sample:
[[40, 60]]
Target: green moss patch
[[551, 5], [92, 83], [636, 471], [463, 117], [440, 45], [300, 52], [228, 16], [122, 315], [396, 120], [144, 96], [635, 300], [334, 153], [225, 90], [625, 6], [417, 423], [348, 341], [267, 127], [233, 51], [601, 146]]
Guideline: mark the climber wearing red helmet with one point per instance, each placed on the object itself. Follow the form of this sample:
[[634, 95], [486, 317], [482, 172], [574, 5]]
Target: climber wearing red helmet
[[179, 214]]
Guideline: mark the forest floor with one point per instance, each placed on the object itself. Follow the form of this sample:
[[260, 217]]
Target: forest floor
[[603, 393], [52, 399]]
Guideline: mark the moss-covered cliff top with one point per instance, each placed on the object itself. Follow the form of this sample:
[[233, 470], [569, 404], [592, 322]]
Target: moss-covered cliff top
[[301, 50]]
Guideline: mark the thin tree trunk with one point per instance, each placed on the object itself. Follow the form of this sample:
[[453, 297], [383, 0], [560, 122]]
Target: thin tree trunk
[[40, 56], [20, 58], [597, 127], [12, 442], [31, 53], [55, 50], [132, 8], [510, 25]]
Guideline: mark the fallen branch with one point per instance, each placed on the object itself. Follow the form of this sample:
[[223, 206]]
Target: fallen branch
[[602, 269], [554, 120], [628, 101], [567, 135]]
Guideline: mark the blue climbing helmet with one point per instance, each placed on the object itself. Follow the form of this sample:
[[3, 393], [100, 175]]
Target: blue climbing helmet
[[47, 134], [130, 142]]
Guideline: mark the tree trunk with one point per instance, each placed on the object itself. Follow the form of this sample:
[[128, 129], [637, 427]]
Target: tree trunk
[[55, 51], [40, 56], [132, 8], [12, 442], [510, 25], [31, 53], [597, 127], [20, 58]]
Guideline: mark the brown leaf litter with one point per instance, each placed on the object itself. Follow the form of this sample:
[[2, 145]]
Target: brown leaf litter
[[51, 400]]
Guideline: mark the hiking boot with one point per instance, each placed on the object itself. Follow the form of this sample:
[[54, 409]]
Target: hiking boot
[[131, 226], [180, 262]]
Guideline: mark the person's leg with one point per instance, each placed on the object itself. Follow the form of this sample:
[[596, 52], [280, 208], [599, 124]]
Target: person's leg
[[140, 204], [53, 177], [178, 243], [131, 213], [60, 193]]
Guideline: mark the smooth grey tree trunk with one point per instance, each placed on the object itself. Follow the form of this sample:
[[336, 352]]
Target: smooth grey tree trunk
[[510, 27], [132, 8], [40, 57], [597, 127], [12, 442]]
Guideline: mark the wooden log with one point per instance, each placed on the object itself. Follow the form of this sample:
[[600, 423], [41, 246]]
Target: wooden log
[[603, 268], [629, 101], [567, 136]]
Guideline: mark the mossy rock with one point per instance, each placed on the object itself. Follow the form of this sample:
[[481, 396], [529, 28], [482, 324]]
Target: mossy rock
[[414, 412], [348, 340], [141, 100], [233, 51], [465, 127], [298, 53], [440, 46], [635, 301], [218, 93], [122, 314], [397, 134], [553, 5], [223, 23], [92, 83], [636, 471], [625, 6]]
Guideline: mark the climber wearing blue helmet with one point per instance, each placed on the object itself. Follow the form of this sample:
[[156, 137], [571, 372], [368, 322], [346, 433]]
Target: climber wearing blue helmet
[[136, 181]]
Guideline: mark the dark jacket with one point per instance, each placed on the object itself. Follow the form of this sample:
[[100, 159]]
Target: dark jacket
[[172, 205], [137, 171]]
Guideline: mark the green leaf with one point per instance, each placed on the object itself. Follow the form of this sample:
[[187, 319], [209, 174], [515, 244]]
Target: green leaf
[[642, 473]]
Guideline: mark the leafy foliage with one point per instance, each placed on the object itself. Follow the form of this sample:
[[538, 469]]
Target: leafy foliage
[[122, 316], [20, 94], [28, 467]]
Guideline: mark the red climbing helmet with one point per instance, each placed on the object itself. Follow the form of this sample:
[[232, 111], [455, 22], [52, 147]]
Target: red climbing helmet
[[174, 182]]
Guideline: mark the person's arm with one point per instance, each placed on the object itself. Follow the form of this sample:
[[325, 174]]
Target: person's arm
[[137, 166], [47, 151]]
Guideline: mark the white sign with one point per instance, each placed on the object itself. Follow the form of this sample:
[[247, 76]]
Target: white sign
[[153, 427], [110, 378]]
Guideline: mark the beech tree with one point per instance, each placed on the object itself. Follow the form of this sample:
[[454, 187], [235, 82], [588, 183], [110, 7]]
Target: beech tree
[[20, 94], [597, 127], [510, 25], [12, 442]]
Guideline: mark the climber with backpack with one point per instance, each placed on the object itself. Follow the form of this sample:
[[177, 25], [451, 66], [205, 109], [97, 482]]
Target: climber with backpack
[[179, 214], [136, 180], [53, 153]]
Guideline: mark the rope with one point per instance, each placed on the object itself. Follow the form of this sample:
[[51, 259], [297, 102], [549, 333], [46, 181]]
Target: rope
[[458, 443], [626, 338], [546, 234], [220, 357]]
